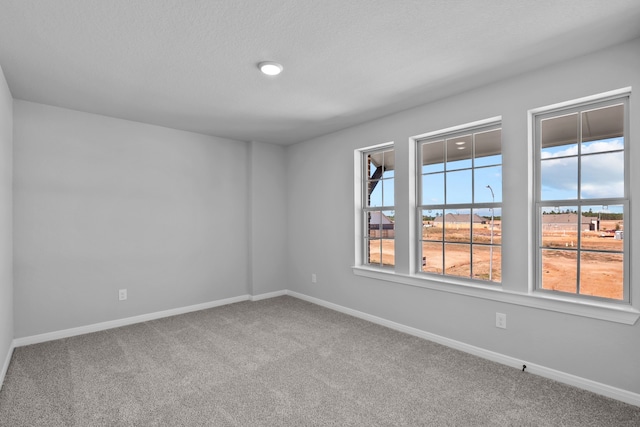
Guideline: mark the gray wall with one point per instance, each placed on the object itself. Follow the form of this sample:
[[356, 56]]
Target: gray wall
[[268, 218], [322, 201], [102, 204], [6, 231]]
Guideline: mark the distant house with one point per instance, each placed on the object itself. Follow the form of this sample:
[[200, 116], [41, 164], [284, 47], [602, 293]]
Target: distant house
[[380, 225], [458, 219], [568, 222]]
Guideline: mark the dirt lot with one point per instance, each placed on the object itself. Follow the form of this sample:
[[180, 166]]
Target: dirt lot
[[601, 272], [457, 257]]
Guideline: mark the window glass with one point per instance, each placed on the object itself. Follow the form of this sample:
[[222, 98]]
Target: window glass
[[559, 136], [487, 184], [458, 188], [581, 155], [559, 178], [378, 211], [488, 148], [460, 193], [433, 157], [433, 188], [602, 175], [432, 224], [459, 152]]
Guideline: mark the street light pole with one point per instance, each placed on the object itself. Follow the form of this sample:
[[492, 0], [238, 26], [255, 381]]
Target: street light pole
[[493, 200]]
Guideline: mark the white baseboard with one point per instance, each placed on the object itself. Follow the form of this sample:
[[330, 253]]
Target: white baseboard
[[268, 295], [562, 377], [96, 327], [5, 365]]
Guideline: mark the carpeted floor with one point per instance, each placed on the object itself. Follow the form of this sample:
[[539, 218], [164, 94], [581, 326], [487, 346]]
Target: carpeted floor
[[280, 362]]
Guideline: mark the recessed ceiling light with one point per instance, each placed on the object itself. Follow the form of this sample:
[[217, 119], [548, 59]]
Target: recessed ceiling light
[[270, 68], [460, 143], [461, 148]]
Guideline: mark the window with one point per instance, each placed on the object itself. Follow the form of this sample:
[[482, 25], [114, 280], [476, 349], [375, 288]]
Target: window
[[572, 190], [378, 207], [582, 199], [460, 202]]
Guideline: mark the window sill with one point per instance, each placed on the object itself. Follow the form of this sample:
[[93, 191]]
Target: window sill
[[624, 314]]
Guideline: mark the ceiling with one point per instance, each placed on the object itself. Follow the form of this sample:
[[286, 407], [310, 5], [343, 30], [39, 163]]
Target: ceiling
[[191, 64]]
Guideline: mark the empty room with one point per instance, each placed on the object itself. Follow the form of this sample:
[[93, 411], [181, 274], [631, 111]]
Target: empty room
[[297, 212]]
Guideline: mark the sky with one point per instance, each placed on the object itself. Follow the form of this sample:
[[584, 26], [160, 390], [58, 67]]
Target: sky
[[602, 170], [459, 188]]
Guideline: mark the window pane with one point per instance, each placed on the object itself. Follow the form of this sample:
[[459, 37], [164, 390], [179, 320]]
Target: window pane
[[457, 225], [483, 230], [389, 163], [582, 162], [459, 152], [432, 257], [374, 223], [559, 178], [605, 230], [560, 230], [603, 146], [559, 135], [375, 250], [488, 148], [388, 252], [602, 175], [559, 270], [375, 193], [374, 165], [602, 123], [433, 189], [601, 274], [380, 237], [388, 192], [433, 157], [457, 260], [432, 224], [387, 224], [472, 164], [488, 184], [458, 187], [381, 224], [487, 262]]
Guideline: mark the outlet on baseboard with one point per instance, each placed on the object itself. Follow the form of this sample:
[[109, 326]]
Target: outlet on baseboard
[[501, 320], [314, 278], [122, 294]]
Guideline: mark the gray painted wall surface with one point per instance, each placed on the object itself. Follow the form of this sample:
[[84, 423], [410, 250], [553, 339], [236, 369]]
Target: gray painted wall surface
[[268, 218], [102, 204], [6, 212], [602, 351]]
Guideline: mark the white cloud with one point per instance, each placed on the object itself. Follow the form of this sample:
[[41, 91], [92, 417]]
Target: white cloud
[[602, 175], [587, 148]]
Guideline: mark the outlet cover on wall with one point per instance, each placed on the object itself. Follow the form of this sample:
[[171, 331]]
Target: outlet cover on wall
[[122, 294], [314, 278], [501, 320]]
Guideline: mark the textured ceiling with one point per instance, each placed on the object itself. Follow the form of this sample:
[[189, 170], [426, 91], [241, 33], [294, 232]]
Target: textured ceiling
[[191, 64]]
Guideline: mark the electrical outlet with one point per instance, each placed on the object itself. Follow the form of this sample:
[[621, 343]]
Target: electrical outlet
[[122, 294], [501, 320], [314, 278]]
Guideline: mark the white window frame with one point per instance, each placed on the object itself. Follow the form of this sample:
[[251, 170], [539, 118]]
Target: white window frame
[[361, 208], [559, 110], [521, 294], [481, 126]]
